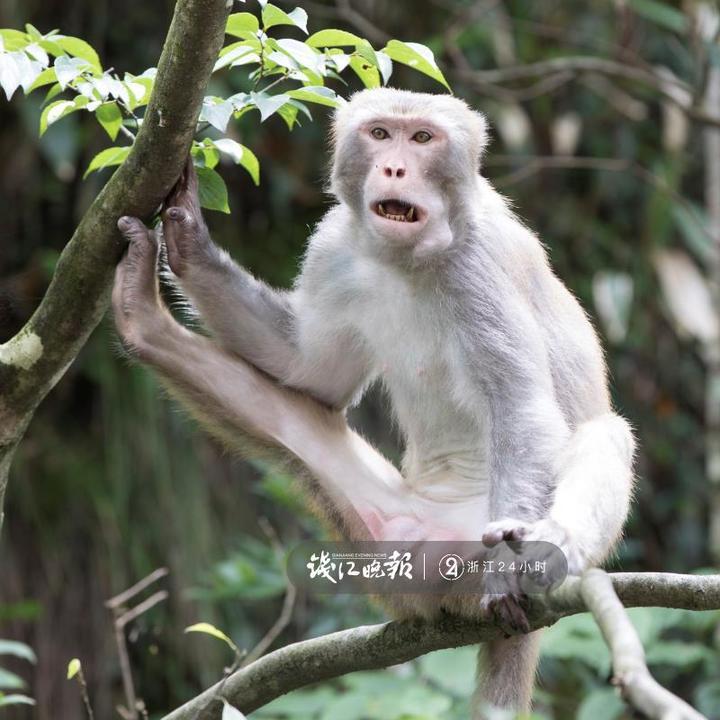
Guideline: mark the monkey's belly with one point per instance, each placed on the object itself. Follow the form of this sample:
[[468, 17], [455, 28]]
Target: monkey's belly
[[427, 514]]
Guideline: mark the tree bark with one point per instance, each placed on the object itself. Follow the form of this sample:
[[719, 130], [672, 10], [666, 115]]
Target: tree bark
[[34, 360], [374, 647]]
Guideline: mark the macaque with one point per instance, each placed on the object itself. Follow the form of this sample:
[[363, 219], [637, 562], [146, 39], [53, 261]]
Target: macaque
[[420, 277]]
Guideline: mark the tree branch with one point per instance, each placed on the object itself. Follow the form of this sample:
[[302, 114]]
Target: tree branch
[[374, 647], [630, 671], [36, 358]]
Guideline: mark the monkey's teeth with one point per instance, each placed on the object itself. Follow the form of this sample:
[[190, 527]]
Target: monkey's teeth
[[382, 210], [410, 214]]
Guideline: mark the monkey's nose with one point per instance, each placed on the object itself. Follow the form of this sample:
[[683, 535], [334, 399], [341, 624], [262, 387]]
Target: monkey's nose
[[394, 171]]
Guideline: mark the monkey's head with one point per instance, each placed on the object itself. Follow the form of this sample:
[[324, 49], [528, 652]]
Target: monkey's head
[[407, 163]]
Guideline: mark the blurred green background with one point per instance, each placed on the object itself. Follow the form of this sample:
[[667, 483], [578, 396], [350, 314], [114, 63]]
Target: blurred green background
[[112, 481]]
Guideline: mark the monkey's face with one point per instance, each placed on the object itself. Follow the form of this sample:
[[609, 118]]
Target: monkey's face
[[402, 201]]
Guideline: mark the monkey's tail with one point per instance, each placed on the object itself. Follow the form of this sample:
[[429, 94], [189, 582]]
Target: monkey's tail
[[506, 675]]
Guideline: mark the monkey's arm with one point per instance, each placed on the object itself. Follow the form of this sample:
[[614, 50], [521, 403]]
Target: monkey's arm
[[284, 334], [237, 402]]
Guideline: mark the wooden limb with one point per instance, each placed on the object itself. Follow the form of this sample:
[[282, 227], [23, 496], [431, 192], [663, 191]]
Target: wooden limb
[[630, 671], [374, 647]]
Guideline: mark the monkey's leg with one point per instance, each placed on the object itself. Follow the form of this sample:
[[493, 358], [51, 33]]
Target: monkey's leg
[[592, 498], [234, 400]]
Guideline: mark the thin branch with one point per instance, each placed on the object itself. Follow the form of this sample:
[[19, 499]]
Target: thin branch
[[137, 588], [373, 647], [36, 358], [630, 671]]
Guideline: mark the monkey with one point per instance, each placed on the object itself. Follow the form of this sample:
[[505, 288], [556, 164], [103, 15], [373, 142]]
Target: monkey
[[421, 277]]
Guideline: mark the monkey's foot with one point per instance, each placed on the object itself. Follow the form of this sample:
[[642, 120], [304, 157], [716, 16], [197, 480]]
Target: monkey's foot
[[547, 530], [507, 610]]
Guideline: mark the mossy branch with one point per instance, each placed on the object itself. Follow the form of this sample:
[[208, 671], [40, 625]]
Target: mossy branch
[[36, 358]]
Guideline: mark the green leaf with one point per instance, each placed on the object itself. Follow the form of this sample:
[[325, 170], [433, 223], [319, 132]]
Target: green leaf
[[366, 71], [316, 94], [110, 117], [241, 155], [240, 53], [661, 14], [241, 22], [67, 69], [334, 38], [231, 713], [46, 77], [13, 39], [415, 56], [10, 680], [58, 109], [268, 104], [73, 668], [108, 158], [273, 15], [204, 627], [80, 49], [15, 700]]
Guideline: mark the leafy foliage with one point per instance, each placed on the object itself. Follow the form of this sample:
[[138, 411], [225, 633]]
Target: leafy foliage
[[10, 680], [77, 82]]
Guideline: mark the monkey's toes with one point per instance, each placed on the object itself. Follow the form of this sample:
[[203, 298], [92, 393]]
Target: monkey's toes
[[508, 612]]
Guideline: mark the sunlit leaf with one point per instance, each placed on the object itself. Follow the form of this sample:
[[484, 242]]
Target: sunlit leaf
[[316, 94], [54, 111], [241, 155], [80, 49], [38, 53], [273, 15], [110, 117], [415, 56], [366, 71], [67, 69], [73, 668], [10, 681], [687, 295], [334, 38], [110, 157], [15, 700], [241, 23], [9, 74], [207, 628], [613, 294], [46, 77], [13, 39], [267, 104], [231, 713], [217, 112]]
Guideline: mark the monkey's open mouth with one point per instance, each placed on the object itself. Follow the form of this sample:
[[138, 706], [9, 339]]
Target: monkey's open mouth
[[397, 210]]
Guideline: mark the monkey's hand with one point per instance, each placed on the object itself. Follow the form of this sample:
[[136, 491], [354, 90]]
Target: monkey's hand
[[546, 531], [186, 236], [139, 313]]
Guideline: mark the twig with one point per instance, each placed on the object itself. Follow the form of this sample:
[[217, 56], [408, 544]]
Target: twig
[[121, 618], [378, 646], [137, 588], [285, 616], [84, 694], [630, 671]]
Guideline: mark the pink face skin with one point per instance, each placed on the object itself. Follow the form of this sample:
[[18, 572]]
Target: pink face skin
[[404, 206]]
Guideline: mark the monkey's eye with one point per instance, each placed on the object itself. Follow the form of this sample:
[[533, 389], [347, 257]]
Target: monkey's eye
[[379, 133], [422, 136]]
